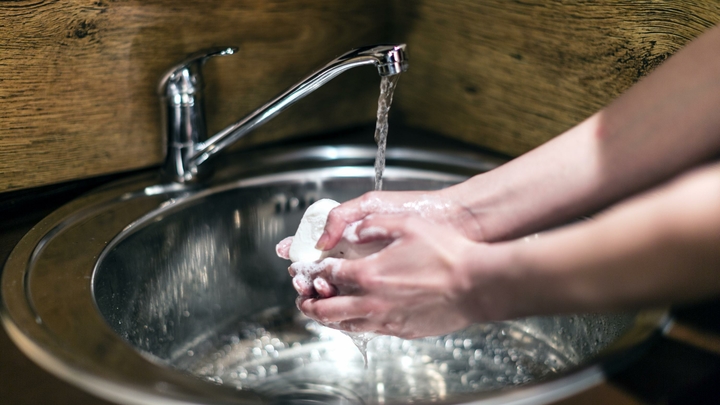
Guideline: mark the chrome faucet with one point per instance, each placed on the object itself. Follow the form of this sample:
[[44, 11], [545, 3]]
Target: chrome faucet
[[183, 118]]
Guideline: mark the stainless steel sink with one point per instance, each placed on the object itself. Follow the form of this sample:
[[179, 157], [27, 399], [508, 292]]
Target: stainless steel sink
[[150, 293]]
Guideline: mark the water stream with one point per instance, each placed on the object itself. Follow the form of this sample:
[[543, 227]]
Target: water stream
[[387, 88]]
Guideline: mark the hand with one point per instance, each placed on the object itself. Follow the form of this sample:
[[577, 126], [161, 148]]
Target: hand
[[439, 207], [417, 286]]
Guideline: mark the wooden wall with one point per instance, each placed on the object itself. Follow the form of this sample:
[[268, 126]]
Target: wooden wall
[[78, 77], [510, 75]]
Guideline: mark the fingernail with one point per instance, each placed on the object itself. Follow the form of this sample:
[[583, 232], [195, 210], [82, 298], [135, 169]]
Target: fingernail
[[296, 285], [323, 288], [320, 245], [302, 287]]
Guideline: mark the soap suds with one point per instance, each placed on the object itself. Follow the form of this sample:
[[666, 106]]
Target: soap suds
[[374, 232], [307, 272], [426, 206]]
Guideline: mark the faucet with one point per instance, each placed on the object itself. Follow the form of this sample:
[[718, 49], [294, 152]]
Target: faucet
[[183, 118]]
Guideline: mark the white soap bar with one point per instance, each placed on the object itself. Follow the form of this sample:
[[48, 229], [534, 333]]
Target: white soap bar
[[311, 228]]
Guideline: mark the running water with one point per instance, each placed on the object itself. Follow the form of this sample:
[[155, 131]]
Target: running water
[[360, 340], [387, 88]]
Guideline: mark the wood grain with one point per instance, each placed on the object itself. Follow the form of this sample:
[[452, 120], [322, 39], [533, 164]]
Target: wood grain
[[509, 75], [78, 78]]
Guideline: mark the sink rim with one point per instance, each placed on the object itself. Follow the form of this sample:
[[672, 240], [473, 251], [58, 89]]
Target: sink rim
[[174, 387]]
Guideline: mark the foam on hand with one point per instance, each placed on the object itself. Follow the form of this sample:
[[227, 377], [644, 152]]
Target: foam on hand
[[309, 262], [311, 228]]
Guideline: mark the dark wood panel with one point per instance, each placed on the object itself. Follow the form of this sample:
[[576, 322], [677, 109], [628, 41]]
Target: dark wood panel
[[509, 75], [78, 78]]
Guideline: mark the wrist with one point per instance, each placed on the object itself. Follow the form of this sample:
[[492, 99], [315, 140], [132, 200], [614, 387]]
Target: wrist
[[491, 281], [466, 210]]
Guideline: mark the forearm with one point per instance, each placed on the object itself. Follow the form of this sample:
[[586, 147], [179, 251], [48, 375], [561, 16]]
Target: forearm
[[663, 125], [659, 248]]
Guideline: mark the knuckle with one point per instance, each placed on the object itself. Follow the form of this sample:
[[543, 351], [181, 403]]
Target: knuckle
[[334, 215]]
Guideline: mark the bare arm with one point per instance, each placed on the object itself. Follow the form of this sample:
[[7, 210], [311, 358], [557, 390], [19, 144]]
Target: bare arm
[[659, 248]]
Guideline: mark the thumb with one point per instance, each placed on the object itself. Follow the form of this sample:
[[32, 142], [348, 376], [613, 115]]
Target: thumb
[[385, 227], [338, 219]]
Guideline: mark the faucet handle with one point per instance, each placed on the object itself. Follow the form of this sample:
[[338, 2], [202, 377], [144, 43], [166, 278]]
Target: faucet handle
[[182, 114], [185, 77]]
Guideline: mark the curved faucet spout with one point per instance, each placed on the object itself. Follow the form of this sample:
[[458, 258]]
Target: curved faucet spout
[[389, 60]]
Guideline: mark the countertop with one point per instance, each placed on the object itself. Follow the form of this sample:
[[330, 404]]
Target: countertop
[[669, 372]]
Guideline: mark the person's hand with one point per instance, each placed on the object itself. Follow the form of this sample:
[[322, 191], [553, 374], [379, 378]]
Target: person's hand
[[419, 285], [439, 207]]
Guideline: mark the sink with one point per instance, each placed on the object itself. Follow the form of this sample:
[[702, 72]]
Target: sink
[[146, 292]]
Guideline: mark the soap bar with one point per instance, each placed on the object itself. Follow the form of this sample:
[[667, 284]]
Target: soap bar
[[302, 246], [311, 228], [309, 263]]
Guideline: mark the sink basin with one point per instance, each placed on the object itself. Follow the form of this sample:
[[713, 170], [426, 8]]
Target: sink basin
[[146, 293]]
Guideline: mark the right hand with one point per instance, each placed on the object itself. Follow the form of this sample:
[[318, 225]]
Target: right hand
[[434, 206]]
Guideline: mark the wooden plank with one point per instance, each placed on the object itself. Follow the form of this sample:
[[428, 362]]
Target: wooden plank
[[78, 78], [509, 75]]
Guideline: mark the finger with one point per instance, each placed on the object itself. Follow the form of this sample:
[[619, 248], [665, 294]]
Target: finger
[[371, 233], [299, 301], [352, 211], [343, 274], [338, 309], [304, 286], [283, 248], [323, 288], [339, 218], [386, 226], [315, 279]]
